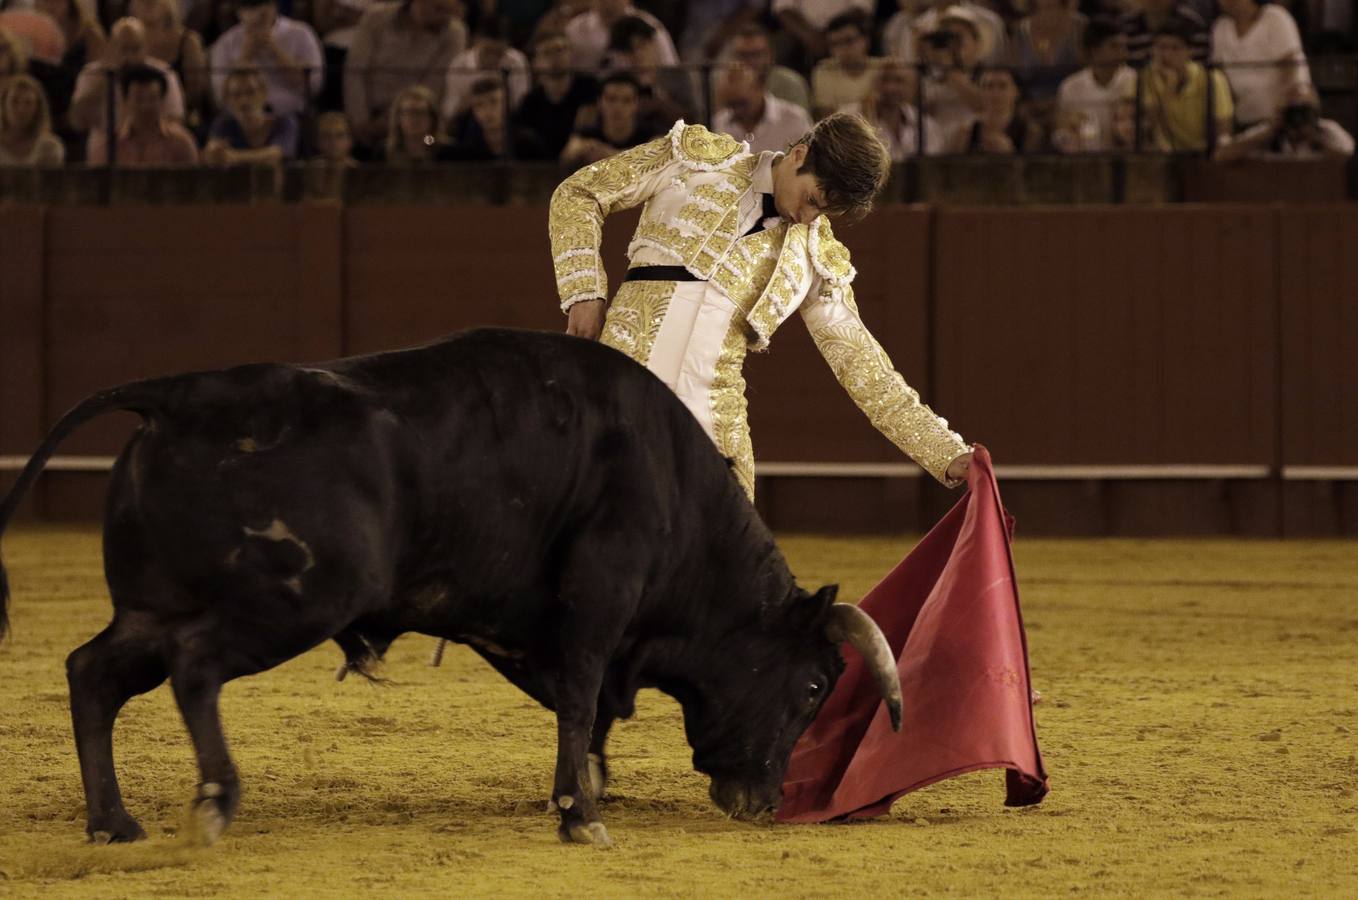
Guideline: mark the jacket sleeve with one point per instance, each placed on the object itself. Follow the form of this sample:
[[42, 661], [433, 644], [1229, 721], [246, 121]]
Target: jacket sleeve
[[867, 374], [580, 203]]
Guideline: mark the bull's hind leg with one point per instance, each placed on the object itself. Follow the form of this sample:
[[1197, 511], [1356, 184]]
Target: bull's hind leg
[[122, 661], [204, 657]]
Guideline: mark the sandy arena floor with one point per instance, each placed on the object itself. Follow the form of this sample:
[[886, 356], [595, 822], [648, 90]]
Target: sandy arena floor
[[1200, 727]]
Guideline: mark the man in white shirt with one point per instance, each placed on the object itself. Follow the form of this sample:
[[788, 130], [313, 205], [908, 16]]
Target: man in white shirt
[[1296, 131], [489, 53], [588, 33], [804, 21], [1246, 38], [1086, 100], [285, 50], [748, 112], [126, 49]]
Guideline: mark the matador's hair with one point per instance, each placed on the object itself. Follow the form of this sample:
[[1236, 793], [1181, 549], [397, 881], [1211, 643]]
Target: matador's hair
[[849, 162]]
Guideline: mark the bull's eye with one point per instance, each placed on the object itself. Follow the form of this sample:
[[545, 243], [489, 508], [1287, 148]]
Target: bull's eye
[[813, 690]]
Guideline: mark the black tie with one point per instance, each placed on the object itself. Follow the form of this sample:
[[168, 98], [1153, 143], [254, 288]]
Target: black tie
[[770, 211]]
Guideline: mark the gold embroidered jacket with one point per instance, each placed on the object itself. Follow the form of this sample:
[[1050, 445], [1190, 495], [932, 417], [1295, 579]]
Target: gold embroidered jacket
[[698, 188]]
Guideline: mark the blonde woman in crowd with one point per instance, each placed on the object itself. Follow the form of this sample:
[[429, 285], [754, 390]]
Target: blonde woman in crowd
[[414, 131], [26, 137], [178, 47]]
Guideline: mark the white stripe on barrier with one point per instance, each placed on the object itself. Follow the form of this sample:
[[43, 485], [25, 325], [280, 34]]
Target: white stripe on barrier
[[1320, 473], [61, 463]]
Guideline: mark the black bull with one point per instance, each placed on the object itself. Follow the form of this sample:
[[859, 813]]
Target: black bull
[[540, 498]]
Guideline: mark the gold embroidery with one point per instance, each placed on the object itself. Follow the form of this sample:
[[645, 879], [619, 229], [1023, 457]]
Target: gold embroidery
[[714, 193], [580, 203], [783, 288], [894, 408], [743, 276], [704, 219], [635, 316], [831, 257], [699, 145], [730, 425], [685, 245]]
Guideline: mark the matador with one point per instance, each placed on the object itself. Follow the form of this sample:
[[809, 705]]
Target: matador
[[729, 245]]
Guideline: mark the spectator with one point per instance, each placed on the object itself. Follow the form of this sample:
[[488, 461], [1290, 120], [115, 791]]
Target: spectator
[[951, 55], [620, 124], [26, 137], [247, 132], [1174, 98], [667, 94], [396, 45], [1296, 131], [334, 141], [483, 133], [126, 49], [560, 15], [747, 111], [710, 24], [847, 75], [1246, 33], [804, 27], [1086, 100], [285, 50], [1145, 16], [178, 47], [552, 108], [991, 32], [85, 40], [752, 47], [1002, 127], [1046, 48], [147, 134], [414, 131], [489, 52], [890, 108], [336, 22], [211, 18], [40, 35], [898, 34], [589, 33]]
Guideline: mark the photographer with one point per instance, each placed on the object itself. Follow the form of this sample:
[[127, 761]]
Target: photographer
[[1296, 131], [951, 54]]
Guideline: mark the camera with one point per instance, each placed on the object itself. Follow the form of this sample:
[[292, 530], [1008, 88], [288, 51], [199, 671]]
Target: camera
[[941, 39]]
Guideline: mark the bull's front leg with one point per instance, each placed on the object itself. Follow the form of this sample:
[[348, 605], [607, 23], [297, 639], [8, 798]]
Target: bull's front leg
[[573, 796]]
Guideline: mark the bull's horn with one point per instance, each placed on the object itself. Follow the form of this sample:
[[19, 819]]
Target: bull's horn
[[851, 624]]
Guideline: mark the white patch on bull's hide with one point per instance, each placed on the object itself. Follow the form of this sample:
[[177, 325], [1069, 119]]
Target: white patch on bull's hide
[[278, 530], [565, 801], [326, 375]]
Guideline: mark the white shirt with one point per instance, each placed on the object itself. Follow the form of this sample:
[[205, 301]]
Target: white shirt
[[782, 124], [1081, 96], [818, 13], [1260, 90], [1332, 135], [295, 39], [589, 38], [464, 71]]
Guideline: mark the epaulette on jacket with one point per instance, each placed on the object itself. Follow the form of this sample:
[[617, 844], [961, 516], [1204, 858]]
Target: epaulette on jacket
[[702, 150]]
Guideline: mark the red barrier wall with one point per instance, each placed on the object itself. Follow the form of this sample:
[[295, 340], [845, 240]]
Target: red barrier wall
[[1197, 336]]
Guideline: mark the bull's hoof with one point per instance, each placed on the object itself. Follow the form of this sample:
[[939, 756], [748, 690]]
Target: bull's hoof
[[598, 776], [210, 814], [592, 833], [118, 829]]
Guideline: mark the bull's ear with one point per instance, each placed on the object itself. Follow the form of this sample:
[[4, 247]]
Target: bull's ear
[[810, 610]]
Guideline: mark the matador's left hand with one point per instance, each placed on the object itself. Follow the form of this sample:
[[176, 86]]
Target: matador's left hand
[[958, 468]]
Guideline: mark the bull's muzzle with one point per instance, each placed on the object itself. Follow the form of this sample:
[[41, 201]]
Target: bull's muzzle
[[745, 802]]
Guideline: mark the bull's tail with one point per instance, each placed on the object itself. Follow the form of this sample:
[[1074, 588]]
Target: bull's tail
[[138, 397]]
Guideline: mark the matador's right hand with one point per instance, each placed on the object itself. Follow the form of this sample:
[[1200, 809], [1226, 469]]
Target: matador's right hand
[[586, 319]]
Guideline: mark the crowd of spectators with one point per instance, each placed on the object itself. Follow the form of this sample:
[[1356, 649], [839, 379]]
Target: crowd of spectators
[[341, 82]]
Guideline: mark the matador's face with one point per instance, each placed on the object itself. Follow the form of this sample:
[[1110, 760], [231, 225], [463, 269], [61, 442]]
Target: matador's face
[[798, 196]]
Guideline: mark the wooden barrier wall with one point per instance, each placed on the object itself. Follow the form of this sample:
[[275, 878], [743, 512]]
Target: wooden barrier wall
[[1223, 337]]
